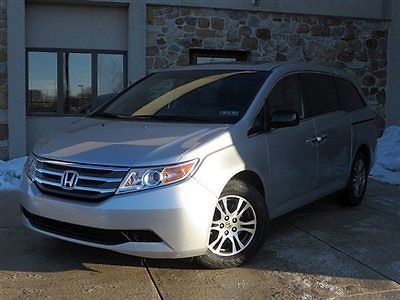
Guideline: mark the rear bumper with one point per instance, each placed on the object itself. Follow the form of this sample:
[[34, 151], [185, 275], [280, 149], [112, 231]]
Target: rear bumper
[[180, 215]]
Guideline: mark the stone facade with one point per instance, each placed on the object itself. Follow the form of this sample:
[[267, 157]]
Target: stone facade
[[3, 81], [357, 45]]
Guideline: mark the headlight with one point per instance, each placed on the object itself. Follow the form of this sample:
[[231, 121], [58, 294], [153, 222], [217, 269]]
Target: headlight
[[30, 167], [139, 179]]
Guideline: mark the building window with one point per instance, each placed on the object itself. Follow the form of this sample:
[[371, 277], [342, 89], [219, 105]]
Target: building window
[[77, 83], [42, 82], [62, 82], [205, 56], [110, 77]]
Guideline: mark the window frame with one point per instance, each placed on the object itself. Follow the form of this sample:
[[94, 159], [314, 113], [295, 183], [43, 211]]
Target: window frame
[[194, 53], [60, 77]]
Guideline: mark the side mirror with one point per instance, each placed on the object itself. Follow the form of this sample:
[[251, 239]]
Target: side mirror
[[284, 118]]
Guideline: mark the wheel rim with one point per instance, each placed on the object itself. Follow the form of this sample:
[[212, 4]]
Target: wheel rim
[[233, 227], [359, 177]]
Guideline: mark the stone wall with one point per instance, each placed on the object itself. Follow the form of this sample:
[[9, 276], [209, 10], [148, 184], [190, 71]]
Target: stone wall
[[3, 81], [357, 45]]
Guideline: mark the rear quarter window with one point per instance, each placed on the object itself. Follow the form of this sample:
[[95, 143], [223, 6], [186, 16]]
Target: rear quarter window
[[320, 94], [350, 99]]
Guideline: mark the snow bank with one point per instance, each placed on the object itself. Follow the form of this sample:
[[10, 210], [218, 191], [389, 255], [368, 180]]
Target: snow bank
[[10, 173], [387, 163]]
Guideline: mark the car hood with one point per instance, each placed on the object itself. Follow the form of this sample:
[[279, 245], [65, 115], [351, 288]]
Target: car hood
[[125, 143]]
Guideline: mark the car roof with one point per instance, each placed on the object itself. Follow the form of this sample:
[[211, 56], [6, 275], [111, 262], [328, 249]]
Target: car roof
[[284, 67]]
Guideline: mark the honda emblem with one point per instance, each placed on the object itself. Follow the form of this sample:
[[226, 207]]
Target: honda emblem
[[69, 179]]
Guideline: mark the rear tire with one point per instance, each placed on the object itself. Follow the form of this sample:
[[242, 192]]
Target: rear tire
[[238, 227], [357, 184]]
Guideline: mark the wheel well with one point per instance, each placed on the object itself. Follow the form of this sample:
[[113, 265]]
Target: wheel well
[[251, 178], [365, 150]]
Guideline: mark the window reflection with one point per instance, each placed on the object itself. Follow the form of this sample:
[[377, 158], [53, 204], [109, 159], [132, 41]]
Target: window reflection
[[110, 78], [42, 82], [211, 60], [61, 82], [77, 82]]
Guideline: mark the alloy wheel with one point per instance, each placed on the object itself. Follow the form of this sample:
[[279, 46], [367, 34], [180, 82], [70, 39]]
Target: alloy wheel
[[359, 177], [233, 227]]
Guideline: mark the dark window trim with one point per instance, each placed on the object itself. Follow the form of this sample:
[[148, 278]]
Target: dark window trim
[[60, 77], [337, 78], [297, 74], [253, 131], [363, 121], [240, 55], [302, 114], [77, 50], [310, 110]]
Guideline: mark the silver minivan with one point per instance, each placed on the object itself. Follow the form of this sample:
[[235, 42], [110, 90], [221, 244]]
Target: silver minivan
[[194, 162]]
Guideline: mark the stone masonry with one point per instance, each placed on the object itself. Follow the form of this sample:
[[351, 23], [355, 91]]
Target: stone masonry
[[357, 45], [3, 81]]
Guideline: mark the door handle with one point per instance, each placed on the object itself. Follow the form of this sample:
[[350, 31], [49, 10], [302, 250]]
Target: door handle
[[316, 140], [321, 138], [311, 141]]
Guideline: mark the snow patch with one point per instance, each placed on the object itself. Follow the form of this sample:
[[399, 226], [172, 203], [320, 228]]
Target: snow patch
[[11, 173], [387, 162]]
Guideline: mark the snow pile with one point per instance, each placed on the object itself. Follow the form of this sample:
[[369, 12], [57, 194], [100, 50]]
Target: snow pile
[[11, 172], [387, 163]]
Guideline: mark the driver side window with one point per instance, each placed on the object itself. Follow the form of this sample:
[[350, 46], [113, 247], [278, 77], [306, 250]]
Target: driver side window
[[286, 95]]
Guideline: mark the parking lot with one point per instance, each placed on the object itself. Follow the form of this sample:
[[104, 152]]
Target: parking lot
[[320, 251]]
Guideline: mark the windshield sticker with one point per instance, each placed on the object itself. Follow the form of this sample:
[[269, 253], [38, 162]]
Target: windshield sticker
[[229, 113]]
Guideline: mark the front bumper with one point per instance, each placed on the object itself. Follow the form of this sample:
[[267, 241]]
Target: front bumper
[[179, 214]]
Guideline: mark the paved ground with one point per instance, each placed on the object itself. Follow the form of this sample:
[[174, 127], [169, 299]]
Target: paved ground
[[320, 251]]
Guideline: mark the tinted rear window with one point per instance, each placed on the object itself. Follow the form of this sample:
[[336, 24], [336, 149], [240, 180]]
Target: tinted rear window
[[350, 99], [320, 94]]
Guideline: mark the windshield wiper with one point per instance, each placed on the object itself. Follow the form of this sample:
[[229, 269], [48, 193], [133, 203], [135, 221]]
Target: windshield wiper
[[173, 118]]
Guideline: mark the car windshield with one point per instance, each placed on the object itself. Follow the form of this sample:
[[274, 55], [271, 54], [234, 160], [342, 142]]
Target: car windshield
[[188, 96]]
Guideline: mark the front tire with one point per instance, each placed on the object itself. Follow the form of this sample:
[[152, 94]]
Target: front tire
[[357, 184], [238, 227]]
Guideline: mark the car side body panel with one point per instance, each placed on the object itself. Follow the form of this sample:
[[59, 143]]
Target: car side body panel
[[364, 132], [292, 165], [249, 154], [333, 151]]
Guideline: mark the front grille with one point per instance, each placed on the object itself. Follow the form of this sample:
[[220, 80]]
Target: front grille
[[90, 234], [95, 183]]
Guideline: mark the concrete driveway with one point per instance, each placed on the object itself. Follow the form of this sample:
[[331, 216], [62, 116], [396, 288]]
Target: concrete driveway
[[320, 251]]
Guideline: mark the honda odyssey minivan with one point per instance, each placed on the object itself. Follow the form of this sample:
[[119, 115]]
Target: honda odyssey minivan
[[194, 162]]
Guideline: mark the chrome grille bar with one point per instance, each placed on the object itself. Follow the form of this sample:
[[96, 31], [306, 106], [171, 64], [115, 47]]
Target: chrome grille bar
[[92, 178], [78, 188], [82, 166]]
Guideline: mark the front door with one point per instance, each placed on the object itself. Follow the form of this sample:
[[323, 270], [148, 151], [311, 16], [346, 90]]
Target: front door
[[333, 127], [291, 154]]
